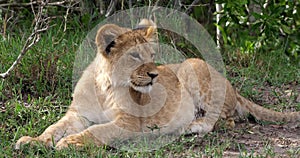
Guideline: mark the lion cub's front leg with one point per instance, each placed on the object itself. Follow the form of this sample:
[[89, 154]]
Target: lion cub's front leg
[[67, 125], [101, 134], [78, 140]]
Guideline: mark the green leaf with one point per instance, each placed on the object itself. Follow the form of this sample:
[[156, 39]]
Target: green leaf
[[256, 15], [222, 32], [234, 18], [286, 29]]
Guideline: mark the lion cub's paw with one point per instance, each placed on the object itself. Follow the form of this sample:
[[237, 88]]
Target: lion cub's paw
[[44, 140], [76, 140], [200, 127], [23, 140]]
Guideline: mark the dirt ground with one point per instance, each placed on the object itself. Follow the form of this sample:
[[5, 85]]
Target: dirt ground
[[254, 137], [282, 138]]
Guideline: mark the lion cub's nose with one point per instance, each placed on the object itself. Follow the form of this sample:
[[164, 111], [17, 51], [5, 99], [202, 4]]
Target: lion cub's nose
[[152, 74]]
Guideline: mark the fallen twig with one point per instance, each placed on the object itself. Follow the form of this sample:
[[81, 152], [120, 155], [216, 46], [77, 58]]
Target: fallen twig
[[60, 3], [67, 13], [41, 25], [111, 8]]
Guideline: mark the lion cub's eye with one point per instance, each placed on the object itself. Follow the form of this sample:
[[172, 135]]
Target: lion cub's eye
[[136, 56]]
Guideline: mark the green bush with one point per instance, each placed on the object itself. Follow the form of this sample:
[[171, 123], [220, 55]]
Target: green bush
[[254, 27]]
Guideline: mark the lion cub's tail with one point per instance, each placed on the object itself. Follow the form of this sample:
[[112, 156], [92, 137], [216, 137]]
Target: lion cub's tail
[[261, 113]]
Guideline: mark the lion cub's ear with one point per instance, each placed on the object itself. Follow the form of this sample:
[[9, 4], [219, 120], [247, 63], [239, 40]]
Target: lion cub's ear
[[151, 34], [146, 23], [149, 30], [106, 35]]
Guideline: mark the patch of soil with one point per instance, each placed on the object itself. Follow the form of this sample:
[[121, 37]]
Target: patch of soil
[[256, 138]]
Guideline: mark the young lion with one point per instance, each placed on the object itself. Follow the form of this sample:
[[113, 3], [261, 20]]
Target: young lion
[[123, 94]]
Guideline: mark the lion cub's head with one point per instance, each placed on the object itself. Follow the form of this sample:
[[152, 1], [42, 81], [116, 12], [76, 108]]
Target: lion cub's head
[[127, 55]]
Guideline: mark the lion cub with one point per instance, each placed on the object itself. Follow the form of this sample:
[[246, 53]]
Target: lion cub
[[123, 94]]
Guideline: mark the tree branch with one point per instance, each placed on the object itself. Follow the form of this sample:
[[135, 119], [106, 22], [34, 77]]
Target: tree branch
[[194, 3], [32, 3], [218, 31], [41, 25], [111, 8]]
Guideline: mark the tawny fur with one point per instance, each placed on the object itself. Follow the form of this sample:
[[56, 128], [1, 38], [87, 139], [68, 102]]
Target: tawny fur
[[122, 93]]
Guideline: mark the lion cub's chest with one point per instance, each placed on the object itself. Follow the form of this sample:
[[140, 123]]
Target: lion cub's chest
[[168, 106]]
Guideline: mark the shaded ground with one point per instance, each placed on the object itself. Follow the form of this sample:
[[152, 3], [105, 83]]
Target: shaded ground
[[282, 139], [246, 140]]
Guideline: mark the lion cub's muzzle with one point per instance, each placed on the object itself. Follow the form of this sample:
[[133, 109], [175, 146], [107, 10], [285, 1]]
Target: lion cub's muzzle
[[144, 77]]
